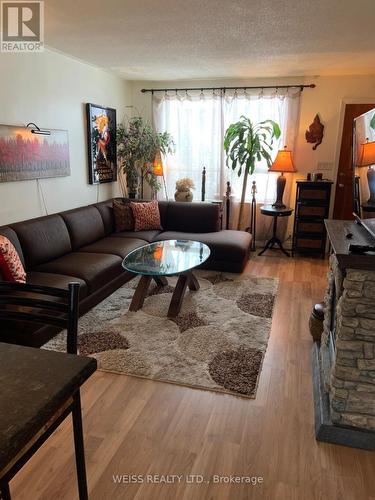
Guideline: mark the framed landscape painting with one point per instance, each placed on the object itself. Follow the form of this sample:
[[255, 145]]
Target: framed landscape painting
[[102, 144], [25, 155]]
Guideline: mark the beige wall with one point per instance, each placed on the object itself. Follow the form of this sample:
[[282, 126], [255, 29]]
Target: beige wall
[[51, 90], [327, 99]]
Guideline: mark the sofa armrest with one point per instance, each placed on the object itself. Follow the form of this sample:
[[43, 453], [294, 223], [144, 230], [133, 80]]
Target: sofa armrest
[[193, 217]]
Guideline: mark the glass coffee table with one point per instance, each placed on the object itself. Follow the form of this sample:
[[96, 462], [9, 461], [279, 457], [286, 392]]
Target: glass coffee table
[[156, 261]]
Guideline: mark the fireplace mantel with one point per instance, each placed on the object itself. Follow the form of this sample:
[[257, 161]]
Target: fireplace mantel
[[337, 231]]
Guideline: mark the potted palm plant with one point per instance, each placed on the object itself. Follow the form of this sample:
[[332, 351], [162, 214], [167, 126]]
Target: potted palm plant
[[245, 144]]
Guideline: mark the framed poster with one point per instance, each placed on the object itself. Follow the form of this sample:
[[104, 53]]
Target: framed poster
[[102, 144], [25, 154]]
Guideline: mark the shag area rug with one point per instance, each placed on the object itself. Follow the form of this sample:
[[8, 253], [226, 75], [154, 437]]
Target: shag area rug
[[217, 342]]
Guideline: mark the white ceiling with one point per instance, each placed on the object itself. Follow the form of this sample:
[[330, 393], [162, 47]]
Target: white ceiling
[[192, 39]]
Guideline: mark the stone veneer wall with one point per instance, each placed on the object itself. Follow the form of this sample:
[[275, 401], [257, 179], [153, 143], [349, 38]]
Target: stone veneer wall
[[350, 377]]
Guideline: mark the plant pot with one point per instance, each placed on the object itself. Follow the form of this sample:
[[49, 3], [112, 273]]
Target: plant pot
[[185, 195], [133, 186]]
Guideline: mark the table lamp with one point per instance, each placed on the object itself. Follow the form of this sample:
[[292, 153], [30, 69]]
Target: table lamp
[[367, 159], [159, 171], [283, 163]]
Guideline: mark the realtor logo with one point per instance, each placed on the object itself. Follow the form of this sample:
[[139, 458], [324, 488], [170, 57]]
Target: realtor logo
[[22, 26]]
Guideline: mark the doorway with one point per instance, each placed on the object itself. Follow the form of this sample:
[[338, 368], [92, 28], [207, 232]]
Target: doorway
[[343, 207]]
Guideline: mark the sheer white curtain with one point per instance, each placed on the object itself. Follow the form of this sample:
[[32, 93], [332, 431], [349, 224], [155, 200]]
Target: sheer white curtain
[[197, 122], [194, 121]]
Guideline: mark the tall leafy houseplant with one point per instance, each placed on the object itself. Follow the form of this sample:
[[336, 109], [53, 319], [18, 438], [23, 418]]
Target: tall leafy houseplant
[[245, 144], [137, 144]]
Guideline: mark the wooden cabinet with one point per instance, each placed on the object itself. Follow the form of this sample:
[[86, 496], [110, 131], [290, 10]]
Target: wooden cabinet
[[311, 208]]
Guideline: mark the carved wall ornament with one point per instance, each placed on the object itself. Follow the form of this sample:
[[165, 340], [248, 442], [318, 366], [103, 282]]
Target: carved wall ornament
[[315, 133]]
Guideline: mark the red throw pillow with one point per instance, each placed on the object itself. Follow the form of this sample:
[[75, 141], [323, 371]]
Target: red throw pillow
[[11, 267], [146, 215]]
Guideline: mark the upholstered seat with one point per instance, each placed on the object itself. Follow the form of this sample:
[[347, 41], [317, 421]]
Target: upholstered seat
[[56, 281], [96, 269], [147, 236], [115, 246], [229, 249]]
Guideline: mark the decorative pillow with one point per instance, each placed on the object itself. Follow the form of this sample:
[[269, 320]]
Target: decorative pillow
[[11, 268], [146, 215], [124, 219]]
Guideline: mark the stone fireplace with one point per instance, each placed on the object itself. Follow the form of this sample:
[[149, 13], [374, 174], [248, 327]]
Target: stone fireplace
[[344, 362], [351, 376]]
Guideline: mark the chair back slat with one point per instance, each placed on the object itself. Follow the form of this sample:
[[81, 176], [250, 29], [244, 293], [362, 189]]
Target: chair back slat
[[43, 319], [6, 287], [42, 307], [32, 303]]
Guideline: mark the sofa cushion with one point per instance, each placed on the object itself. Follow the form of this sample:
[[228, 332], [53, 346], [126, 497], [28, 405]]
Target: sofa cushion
[[56, 281], [147, 236], [228, 246], [193, 217], [96, 269], [146, 216], [42, 239], [85, 225], [163, 210], [11, 268], [115, 246], [124, 218], [13, 238], [106, 211]]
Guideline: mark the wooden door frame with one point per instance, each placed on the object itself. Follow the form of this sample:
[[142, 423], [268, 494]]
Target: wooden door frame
[[344, 102]]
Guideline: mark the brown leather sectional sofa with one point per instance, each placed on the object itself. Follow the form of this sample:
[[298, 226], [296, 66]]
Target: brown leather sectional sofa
[[82, 245]]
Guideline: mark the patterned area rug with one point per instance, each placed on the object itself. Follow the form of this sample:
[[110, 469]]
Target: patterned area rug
[[217, 342]]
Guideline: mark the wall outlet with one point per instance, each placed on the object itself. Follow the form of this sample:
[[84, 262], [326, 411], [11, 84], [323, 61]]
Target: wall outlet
[[324, 166]]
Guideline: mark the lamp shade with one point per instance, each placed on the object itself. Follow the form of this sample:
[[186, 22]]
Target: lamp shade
[[283, 162], [158, 165], [367, 154]]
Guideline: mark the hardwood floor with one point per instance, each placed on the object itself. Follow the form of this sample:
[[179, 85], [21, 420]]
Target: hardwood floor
[[136, 426]]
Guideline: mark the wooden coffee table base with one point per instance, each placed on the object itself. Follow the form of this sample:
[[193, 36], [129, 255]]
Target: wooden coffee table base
[[185, 280]]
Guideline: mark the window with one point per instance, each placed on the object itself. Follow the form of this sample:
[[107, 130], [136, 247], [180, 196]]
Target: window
[[198, 122]]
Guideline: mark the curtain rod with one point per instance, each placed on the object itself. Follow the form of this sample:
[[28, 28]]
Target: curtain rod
[[238, 87]]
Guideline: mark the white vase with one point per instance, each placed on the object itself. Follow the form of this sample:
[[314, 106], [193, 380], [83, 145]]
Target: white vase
[[185, 195]]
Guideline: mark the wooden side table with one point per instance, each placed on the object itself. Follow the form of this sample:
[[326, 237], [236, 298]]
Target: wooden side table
[[275, 213], [39, 389]]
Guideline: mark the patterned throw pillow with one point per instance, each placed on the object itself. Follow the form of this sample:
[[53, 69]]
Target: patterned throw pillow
[[11, 268], [124, 219], [146, 215]]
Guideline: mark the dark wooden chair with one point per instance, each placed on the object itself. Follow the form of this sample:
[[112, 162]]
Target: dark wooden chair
[[42, 305]]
